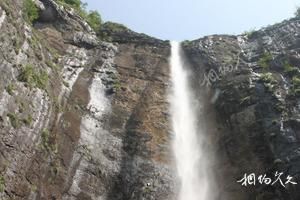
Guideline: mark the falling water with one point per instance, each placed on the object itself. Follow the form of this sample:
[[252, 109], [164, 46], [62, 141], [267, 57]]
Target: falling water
[[190, 158]]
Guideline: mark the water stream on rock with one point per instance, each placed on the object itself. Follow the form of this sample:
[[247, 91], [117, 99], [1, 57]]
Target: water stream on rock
[[190, 158]]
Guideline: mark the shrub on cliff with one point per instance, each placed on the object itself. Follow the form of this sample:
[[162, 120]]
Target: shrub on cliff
[[31, 12], [94, 20], [74, 3], [33, 77]]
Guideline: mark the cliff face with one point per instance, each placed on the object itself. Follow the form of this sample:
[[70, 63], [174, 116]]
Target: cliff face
[[251, 89], [81, 118], [86, 119]]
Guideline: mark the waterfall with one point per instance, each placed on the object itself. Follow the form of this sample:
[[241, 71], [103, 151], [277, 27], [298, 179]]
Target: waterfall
[[190, 159]]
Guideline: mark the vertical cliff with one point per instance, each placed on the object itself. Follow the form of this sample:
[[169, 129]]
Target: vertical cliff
[[251, 85], [81, 118]]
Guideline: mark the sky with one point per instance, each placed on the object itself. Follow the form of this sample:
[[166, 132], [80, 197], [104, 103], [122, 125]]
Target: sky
[[191, 19]]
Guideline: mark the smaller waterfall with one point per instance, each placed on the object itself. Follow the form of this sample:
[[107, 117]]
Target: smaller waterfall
[[190, 158]]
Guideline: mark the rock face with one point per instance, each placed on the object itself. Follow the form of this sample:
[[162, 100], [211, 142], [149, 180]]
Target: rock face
[[86, 119], [96, 126], [249, 84]]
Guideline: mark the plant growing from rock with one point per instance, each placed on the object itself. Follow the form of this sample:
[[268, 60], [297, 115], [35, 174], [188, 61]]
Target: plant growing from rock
[[265, 60], [268, 80], [33, 77], [289, 69], [13, 120], [94, 20], [28, 120], [2, 183], [31, 12], [10, 89], [296, 85]]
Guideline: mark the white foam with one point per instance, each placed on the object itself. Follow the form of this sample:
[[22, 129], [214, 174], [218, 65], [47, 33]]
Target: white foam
[[190, 157]]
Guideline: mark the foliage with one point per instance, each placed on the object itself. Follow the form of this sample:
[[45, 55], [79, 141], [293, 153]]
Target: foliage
[[94, 20], [10, 89], [296, 85], [265, 60], [33, 77], [268, 78], [186, 42], [296, 81], [115, 27], [27, 121], [13, 120], [288, 68], [2, 183], [30, 10], [46, 143], [117, 85], [66, 84], [74, 3], [45, 140]]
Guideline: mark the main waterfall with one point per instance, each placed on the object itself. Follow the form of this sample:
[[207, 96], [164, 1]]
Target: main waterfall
[[187, 144]]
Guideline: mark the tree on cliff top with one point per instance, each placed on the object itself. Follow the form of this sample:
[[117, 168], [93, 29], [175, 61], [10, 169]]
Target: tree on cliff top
[[93, 18]]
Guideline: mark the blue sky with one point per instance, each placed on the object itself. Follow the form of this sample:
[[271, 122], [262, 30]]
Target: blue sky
[[191, 19]]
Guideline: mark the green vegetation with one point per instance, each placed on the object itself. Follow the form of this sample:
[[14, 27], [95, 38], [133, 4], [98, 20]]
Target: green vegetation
[[265, 60], [46, 143], [296, 85], [66, 84], [288, 68], [27, 121], [115, 27], [186, 42], [93, 18], [45, 140], [75, 3], [51, 65], [108, 27], [33, 77], [268, 78], [31, 12], [117, 86], [33, 188], [21, 107], [2, 183], [10, 89], [13, 120], [116, 81], [17, 44]]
